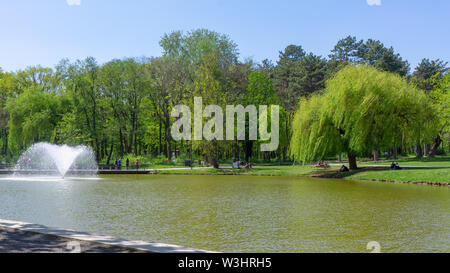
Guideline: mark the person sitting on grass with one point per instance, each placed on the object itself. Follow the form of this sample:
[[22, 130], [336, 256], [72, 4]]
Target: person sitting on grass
[[395, 166], [244, 166], [344, 169], [322, 164]]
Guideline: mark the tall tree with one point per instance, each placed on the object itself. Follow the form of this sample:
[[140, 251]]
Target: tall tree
[[167, 76], [426, 70], [371, 52], [347, 50], [374, 53], [361, 110], [207, 86], [440, 96], [85, 122], [311, 73], [197, 44], [34, 116]]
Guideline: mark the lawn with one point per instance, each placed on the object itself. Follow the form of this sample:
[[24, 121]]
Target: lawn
[[426, 175], [419, 175], [438, 161], [256, 170]]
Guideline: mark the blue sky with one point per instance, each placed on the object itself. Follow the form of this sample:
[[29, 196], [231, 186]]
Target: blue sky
[[45, 31]]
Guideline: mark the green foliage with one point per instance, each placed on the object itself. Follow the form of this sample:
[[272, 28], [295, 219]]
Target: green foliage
[[33, 117], [361, 110], [298, 74], [208, 87], [123, 107], [260, 90], [347, 50], [372, 52], [428, 72], [197, 44], [440, 96]]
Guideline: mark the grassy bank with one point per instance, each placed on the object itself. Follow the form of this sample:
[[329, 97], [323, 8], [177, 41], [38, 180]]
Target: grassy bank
[[438, 161], [381, 174], [409, 175], [256, 170]]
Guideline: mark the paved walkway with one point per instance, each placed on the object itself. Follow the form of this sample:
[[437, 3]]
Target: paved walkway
[[19, 241], [26, 237]]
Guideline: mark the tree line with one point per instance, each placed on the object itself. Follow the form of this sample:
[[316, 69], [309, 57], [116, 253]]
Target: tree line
[[124, 106]]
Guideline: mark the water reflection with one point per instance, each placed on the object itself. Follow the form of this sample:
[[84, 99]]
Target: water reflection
[[238, 213]]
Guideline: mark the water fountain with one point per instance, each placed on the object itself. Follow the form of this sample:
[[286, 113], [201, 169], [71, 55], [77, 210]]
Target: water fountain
[[54, 160]]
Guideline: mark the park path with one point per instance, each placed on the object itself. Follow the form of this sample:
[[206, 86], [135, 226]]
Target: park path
[[21, 237], [20, 241]]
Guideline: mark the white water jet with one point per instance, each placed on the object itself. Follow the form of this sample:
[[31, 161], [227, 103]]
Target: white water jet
[[50, 159]]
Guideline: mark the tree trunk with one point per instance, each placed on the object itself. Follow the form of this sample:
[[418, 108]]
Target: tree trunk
[[435, 147], [376, 155], [110, 153], [248, 150], [167, 135], [214, 163], [419, 153], [6, 144], [130, 143], [214, 159], [121, 142], [352, 161], [160, 136], [279, 156]]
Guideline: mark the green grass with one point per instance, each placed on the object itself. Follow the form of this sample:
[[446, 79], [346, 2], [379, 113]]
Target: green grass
[[256, 170], [426, 175], [419, 175], [365, 172], [438, 161]]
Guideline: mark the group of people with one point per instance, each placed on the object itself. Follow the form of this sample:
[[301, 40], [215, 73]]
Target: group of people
[[118, 164], [241, 164], [244, 166], [322, 164]]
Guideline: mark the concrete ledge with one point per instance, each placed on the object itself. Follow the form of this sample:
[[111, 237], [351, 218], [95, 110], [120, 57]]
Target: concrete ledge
[[99, 239]]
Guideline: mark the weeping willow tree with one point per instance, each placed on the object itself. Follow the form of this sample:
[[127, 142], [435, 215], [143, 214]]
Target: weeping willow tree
[[361, 110]]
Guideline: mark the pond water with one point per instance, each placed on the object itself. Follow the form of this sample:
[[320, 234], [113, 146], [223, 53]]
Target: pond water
[[239, 213]]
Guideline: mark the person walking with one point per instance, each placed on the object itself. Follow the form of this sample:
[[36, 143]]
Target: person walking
[[119, 163], [136, 164], [128, 163]]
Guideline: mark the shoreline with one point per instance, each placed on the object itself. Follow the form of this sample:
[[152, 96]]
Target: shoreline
[[323, 176], [313, 173]]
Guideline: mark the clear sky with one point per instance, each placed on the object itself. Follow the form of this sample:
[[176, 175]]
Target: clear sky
[[45, 31]]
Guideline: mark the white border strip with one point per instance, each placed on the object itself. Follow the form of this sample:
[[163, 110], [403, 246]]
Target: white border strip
[[100, 239]]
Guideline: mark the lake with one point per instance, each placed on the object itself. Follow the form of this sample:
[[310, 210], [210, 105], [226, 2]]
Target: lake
[[239, 213]]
